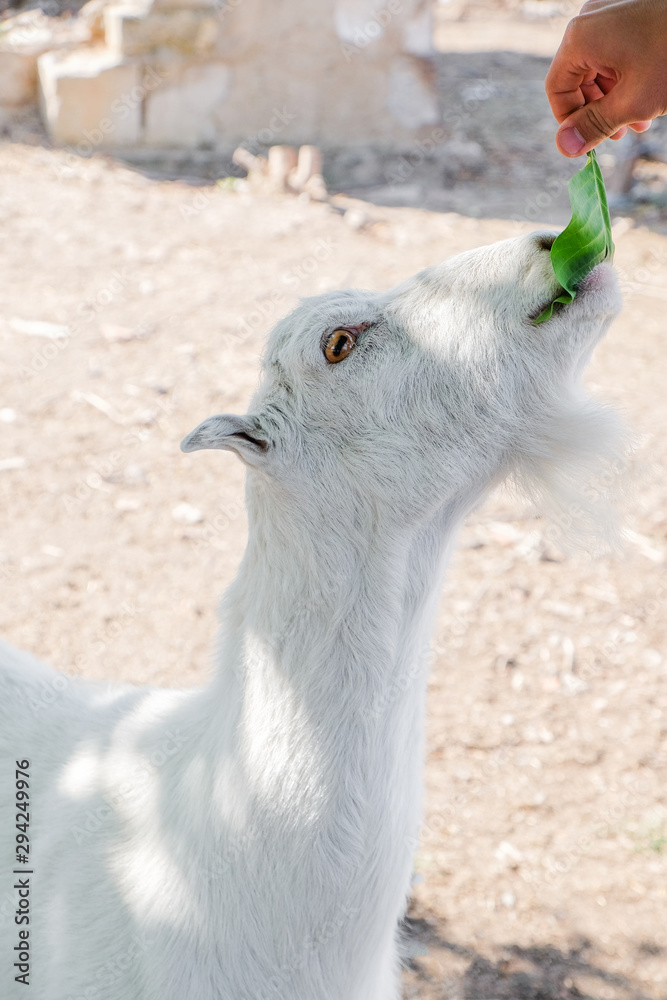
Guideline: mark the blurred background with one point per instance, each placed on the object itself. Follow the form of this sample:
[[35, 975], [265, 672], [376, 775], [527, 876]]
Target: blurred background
[[174, 176]]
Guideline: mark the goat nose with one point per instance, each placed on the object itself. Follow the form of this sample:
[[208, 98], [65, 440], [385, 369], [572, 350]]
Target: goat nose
[[545, 241]]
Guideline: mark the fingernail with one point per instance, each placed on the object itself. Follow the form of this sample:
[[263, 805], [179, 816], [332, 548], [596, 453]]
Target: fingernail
[[571, 141]]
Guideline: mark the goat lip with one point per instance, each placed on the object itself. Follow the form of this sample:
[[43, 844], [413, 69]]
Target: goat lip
[[600, 277], [545, 304]]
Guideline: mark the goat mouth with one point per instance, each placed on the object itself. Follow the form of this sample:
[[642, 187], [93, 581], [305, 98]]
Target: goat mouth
[[597, 279], [557, 306], [601, 278]]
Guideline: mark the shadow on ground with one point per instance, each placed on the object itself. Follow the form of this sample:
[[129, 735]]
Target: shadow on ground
[[518, 973], [492, 155]]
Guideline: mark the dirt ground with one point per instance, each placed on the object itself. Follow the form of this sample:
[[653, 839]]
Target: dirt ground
[[542, 871]]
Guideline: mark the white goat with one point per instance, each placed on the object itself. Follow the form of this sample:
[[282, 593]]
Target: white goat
[[254, 839]]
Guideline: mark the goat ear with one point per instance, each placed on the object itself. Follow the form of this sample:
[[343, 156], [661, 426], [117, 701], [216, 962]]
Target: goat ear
[[244, 435]]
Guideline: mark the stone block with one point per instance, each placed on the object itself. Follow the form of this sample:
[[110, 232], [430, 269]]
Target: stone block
[[131, 31], [183, 111], [92, 16], [125, 31], [90, 98], [18, 78]]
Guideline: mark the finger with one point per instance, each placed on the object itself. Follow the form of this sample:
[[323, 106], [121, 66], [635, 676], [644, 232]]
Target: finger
[[566, 97], [591, 91], [588, 126], [605, 82], [563, 84], [641, 126], [621, 132]]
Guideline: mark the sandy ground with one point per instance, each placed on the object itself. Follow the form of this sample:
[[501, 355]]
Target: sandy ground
[[542, 871]]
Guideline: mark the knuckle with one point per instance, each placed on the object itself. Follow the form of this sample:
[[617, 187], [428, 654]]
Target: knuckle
[[598, 125]]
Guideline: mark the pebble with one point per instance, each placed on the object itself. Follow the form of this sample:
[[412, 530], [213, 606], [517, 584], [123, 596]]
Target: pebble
[[356, 218], [509, 853], [124, 504], [38, 328], [53, 550], [135, 474], [185, 513], [9, 464]]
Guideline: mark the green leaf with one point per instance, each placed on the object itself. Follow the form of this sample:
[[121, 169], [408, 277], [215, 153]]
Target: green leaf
[[586, 241]]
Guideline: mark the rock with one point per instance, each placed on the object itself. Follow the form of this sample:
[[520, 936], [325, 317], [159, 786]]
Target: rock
[[54, 551], [25, 36], [309, 165], [91, 99], [356, 218], [307, 178], [376, 60], [185, 513], [315, 188], [130, 31], [18, 78], [182, 112], [38, 328], [508, 853], [11, 464], [282, 163], [125, 504], [92, 16], [284, 170], [251, 163], [114, 334], [135, 475]]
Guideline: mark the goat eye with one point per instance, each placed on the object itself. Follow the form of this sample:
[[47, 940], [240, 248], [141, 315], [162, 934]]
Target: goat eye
[[338, 345]]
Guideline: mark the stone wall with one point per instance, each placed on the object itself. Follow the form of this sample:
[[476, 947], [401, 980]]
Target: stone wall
[[189, 73]]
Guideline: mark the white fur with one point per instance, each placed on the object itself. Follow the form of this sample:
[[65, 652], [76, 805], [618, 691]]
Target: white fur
[[254, 839]]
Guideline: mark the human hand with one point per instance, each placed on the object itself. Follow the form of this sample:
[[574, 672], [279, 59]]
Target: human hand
[[610, 73]]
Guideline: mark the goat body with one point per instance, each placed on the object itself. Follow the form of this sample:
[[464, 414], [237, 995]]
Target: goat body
[[254, 839]]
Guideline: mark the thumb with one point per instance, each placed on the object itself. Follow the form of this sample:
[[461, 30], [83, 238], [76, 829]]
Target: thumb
[[588, 126]]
